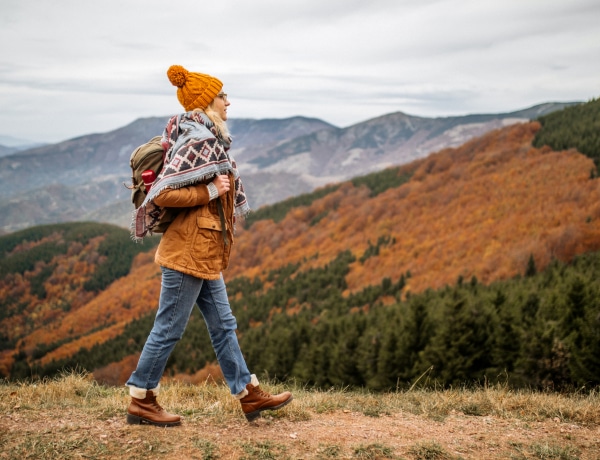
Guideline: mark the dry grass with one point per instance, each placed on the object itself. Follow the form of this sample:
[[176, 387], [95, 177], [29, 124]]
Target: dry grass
[[74, 417]]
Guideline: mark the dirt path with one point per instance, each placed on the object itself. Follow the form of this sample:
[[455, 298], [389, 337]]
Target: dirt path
[[73, 433]]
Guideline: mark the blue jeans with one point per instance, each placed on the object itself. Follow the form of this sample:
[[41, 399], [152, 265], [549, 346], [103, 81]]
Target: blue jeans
[[178, 294]]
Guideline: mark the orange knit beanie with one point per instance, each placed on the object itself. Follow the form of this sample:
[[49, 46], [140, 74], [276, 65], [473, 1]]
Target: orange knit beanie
[[194, 90]]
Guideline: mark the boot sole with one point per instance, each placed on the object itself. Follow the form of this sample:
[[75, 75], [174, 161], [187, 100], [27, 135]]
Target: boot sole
[[135, 420], [251, 416]]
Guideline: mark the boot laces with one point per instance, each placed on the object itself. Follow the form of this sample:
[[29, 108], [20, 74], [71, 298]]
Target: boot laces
[[154, 403], [261, 393]]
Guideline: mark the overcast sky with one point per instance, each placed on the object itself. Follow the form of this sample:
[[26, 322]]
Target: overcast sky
[[75, 67]]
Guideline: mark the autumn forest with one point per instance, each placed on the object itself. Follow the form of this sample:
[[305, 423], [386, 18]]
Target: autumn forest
[[476, 264]]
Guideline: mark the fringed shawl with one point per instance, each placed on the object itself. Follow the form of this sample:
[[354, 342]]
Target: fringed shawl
[[194, 153]]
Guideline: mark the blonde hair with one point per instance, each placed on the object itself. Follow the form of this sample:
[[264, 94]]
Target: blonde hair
[[219, 123]]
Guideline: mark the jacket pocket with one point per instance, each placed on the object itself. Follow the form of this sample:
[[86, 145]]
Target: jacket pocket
[[208, 240]]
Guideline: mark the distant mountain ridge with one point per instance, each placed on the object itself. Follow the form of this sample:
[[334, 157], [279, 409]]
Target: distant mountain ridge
[[10, 145], [391, 139], [83, 178]]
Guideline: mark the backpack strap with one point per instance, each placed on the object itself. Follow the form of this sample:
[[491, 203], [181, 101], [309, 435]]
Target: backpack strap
[[223, 223]]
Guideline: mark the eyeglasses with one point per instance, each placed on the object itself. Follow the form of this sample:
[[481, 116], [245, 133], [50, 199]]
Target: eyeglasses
[[222, 96]]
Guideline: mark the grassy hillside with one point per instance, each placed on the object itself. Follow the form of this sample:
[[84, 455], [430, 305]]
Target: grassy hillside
[[73, 417], [475, 264]]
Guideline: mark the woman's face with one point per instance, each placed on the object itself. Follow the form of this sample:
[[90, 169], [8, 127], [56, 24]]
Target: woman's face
[[220, 104]]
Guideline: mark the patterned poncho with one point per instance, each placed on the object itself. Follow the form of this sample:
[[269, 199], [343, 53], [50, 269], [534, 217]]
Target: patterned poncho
[[194, 154]]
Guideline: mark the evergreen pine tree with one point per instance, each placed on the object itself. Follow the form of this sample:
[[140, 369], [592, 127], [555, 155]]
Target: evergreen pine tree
[[531, 270], [461, 351]]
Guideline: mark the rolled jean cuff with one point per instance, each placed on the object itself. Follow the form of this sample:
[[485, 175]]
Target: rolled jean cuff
[[242, 394]]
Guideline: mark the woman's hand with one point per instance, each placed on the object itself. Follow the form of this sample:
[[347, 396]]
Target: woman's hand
[[222, 184]]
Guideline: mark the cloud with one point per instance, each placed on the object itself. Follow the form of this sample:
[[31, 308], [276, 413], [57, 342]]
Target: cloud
[[75, 67]]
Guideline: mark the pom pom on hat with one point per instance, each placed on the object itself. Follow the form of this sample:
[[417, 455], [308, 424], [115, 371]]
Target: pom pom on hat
[[194, 90], [177, 75]]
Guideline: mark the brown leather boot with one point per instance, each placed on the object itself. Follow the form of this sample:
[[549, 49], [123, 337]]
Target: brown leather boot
[[258, 400], [148, 411]]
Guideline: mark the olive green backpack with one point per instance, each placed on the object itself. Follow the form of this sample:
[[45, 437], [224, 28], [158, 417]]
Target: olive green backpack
[[147, 159]]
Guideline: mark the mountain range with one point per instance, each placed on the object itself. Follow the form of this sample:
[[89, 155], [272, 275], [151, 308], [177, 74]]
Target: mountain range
[[476, 263], [10, 145], [83, 178]]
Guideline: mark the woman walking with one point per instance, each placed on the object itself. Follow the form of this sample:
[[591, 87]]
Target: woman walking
[[200, 180]]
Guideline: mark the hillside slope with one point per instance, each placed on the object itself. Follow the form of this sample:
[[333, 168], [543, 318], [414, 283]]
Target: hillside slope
[[54, 288], [362, 283], [478, 210]]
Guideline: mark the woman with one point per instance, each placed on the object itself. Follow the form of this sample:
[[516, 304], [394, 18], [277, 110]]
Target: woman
[[201, 181]]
